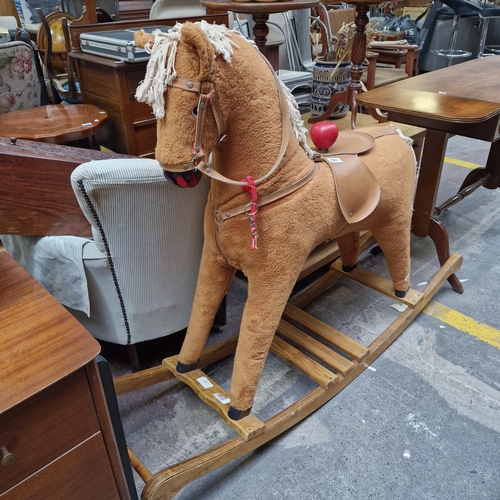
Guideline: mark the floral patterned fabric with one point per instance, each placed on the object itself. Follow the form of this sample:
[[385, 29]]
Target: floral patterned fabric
[[20, 87]]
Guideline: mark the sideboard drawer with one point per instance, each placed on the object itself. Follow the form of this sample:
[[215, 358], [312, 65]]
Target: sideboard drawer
[[145, 138], [141, 111], [134, 77], [84, 473], [45, 426]]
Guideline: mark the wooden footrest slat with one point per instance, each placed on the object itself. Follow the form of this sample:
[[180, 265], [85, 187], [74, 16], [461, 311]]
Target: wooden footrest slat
[[314, 290], [315, 348], [216, 397], [321, 375], [322, 255], [157, 374], [379, 283], [326, 332]]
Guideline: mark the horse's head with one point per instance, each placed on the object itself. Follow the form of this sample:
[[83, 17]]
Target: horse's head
[[186, 107]]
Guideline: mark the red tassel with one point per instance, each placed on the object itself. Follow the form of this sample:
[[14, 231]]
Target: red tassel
[[251, 209]]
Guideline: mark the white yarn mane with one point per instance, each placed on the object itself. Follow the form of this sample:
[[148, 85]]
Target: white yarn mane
[[161, 72]]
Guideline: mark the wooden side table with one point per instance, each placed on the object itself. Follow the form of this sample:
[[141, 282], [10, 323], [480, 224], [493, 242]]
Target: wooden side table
[[55, 123], [398, 57], [56, 437]]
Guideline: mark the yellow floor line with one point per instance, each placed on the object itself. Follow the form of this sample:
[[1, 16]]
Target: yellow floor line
[[463, 323], [461, 163]]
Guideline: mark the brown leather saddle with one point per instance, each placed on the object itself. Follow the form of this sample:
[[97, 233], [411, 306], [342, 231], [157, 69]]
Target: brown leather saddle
[[358, 191]]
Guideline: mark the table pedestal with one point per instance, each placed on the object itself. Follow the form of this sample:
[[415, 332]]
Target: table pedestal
[[260, 12], [261, 31]]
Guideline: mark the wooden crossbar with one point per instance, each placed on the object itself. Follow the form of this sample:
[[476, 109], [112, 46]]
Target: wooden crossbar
[[320, 351], [215, 396], [379, 283], [321, 375]]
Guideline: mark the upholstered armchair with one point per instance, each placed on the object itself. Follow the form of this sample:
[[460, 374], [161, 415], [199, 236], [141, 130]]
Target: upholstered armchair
[[134, 280], [21, 82]]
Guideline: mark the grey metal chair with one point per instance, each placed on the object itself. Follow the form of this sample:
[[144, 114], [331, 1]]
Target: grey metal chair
[[458, 8], [488, 12]]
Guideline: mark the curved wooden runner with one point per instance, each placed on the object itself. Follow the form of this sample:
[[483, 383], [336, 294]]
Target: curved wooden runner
[[340, 371]]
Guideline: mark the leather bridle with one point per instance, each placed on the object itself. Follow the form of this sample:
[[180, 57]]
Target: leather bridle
[[197, 162], [204, 100]]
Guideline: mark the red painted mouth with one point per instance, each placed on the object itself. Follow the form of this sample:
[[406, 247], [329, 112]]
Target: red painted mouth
[[183, 179]]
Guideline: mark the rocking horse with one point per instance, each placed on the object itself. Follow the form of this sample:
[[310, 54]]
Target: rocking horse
[[222, 112], [256, 158]]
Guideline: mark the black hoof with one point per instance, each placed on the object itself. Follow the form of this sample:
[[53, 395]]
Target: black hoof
[[401, 294], [348, 269], [235, 414], [182, 368]]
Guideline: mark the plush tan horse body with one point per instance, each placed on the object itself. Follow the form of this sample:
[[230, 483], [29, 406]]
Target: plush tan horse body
[[289, 228]]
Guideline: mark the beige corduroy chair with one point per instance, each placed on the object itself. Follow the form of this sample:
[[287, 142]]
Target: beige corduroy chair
[[135, 279]]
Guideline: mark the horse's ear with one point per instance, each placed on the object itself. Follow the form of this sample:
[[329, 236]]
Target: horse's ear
[[197, 42], [141, 38]]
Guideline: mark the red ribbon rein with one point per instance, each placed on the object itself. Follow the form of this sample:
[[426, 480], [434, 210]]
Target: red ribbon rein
[[251, 209]]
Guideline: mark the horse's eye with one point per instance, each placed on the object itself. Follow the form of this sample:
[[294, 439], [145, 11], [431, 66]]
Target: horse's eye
[[194, 112]]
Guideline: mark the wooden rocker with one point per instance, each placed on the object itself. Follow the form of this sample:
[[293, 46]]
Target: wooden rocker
[[320, 361]]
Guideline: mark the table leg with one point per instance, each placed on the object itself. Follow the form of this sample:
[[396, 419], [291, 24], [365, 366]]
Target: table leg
[[358, 53], [431, 166], [490, 174], [423, 224], [358, 56], [439, 236], [260, 31]]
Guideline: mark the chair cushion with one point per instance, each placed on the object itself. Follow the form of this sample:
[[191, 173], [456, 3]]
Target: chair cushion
[[20, 87], [384, 76]]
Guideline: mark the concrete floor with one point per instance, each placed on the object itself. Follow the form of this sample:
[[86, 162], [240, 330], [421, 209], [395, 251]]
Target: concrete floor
[[423, 422]]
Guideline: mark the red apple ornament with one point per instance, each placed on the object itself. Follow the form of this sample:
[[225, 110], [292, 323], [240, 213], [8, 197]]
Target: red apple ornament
[[324, 134]]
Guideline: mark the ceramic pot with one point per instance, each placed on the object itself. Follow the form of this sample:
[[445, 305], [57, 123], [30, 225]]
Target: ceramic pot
[[327, 80]]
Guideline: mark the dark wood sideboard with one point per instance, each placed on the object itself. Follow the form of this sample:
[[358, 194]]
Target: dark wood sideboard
[[36, 197], [56, 436], [111, 85]]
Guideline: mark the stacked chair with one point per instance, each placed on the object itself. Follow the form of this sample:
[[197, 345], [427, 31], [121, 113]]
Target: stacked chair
[[54, 45]]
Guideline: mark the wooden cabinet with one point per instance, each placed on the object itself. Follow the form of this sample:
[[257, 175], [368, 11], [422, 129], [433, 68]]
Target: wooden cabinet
[[56, 437], [36, 197], [111, 85]]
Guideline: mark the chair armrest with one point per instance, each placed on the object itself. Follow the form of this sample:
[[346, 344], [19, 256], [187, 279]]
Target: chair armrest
[[392, 46], [57, 263], [372, 64]]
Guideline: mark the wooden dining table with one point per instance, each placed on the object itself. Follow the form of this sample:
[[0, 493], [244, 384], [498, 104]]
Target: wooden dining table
[[464, 100]]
